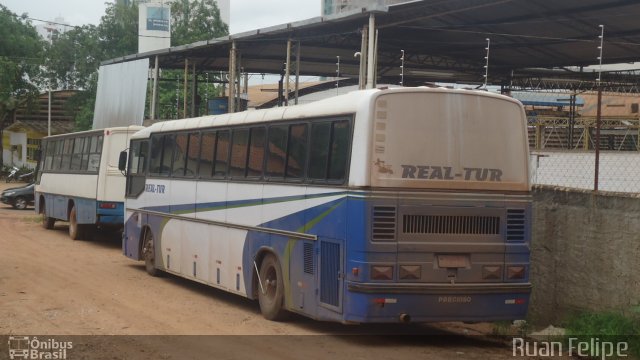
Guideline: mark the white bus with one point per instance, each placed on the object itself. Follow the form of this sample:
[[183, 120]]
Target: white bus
[[78, 180], [387, 205]]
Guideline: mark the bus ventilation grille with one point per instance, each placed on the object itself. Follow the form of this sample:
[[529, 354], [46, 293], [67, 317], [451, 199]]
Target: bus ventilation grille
[[309, 267], [451, 224], [516, 224], [384, 223]]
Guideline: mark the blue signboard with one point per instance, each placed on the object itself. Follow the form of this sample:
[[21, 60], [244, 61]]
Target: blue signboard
[[158, 18]]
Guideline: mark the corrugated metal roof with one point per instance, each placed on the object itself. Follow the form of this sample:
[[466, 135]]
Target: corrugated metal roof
[[442, 40]]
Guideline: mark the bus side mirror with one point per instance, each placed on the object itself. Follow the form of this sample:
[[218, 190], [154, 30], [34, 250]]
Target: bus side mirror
[[122, 161], [37, 155]]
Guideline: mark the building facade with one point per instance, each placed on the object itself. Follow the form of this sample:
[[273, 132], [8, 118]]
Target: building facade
[[330, 7]]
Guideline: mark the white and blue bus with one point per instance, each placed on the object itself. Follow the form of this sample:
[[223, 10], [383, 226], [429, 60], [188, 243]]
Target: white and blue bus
[[387, 205], [78, 180]]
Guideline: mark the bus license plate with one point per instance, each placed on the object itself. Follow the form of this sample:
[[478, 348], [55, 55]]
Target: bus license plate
[[453, 261]]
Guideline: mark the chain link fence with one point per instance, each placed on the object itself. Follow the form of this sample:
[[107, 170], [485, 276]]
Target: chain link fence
[[563, 138]]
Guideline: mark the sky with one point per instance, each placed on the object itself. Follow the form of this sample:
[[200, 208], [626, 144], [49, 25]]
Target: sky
[[245, 14]]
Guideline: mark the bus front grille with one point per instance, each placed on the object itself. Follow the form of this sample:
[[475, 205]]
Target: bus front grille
[[451, 224]]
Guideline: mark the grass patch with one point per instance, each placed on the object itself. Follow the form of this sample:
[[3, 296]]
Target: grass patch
[[32, 219], [607, 327]]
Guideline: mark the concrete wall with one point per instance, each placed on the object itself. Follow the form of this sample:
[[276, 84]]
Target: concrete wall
[[585, 253]]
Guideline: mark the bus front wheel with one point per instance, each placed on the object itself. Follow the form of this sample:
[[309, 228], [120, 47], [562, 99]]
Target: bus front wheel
[[271, 289], [149, 254]]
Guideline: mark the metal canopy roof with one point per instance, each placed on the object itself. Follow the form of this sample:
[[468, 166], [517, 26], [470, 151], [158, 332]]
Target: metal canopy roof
[[443, 40]]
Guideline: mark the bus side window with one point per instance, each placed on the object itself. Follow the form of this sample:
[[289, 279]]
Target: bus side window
[[207, 154], [179, 155], [192, 155], [94, 154], [238, 163], [57, 159], [297, 151], [339, 150], [84, 164], [76, 157], [319, 152], [167, 154], [157, 142], [49, 153], [136, 173], [256, 152], [276, 151], [222, 154], [66, 154]]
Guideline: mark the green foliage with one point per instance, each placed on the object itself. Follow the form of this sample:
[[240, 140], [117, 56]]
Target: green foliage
[[606, 326], [73, 57], [20, 60], [195, 20]]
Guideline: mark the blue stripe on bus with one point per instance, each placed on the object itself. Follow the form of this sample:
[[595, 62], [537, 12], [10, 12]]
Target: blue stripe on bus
[[181, 209]]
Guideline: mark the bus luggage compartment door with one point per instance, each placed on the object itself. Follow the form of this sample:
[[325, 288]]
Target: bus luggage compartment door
[[331, 275]]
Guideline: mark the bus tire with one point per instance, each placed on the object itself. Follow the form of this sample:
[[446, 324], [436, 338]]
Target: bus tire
[[272, 298], [149, 254], [47, 222], [76, 231]]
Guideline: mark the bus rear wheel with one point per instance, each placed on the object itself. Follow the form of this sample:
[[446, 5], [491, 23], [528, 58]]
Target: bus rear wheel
[[76, 231], [149, 254], [271, 290], [47, 222]]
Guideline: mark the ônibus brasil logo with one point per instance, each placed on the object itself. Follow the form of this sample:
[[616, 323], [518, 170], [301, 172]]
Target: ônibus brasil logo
[[25, 347]]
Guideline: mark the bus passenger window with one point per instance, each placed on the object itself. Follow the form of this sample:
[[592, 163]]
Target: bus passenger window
[[66, 154], [256, 152], [156, 154], [50, 152], [276, 151], [297, 151], [179, 155], [57, 159], [192, 155], [207, 152], [339, 150], [168, 147], [76, 157], [239, 153], [222, 154], [85, 154], [319, 157], [94, 154]]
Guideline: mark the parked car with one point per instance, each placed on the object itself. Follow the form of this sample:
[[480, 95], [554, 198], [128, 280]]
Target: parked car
[[19, 197]]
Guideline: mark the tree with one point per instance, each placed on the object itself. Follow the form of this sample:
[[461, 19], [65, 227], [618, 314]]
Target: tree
[[118, 30], [74, 58], [20, 58], [195, 20]]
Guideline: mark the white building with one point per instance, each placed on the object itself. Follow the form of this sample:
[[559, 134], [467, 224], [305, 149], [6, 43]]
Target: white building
[[52, 29]]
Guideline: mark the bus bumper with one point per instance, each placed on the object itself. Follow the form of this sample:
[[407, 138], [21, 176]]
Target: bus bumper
[[436, 302], [110, 213]]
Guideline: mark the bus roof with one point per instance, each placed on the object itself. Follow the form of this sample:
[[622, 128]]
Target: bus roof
[[335, 106], [97, 131]]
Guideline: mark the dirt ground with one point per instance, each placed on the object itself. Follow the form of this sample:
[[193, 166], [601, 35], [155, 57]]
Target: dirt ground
[[53, 287]]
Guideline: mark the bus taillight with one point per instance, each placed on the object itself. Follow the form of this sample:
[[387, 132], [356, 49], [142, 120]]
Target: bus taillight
[[108, 205]]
